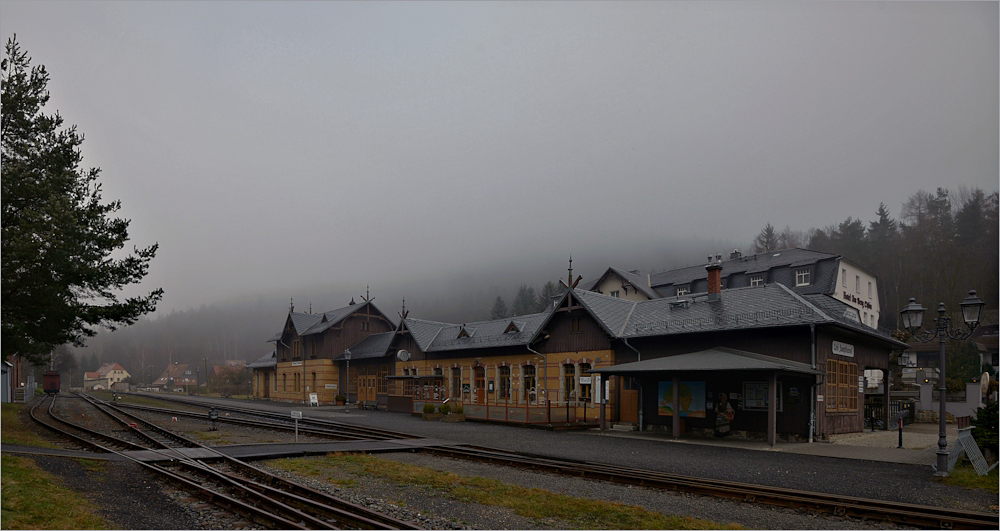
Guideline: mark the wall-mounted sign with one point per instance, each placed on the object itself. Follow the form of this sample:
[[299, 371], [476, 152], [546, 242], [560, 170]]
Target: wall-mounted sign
[[585, 380], [861, 384], [296, 364], [331, 386], [843, 349]]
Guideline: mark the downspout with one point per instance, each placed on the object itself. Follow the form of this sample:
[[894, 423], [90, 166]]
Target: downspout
[[812, 388], [545, 375], [639, 354]]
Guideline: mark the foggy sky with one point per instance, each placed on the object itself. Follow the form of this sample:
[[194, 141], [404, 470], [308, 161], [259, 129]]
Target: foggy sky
[[286, 147]]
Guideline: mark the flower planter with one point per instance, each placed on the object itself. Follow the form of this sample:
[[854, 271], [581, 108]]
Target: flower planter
[[432, 416], [454, 417]]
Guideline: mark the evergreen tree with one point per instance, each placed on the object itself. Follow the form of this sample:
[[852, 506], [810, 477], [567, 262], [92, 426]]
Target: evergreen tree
[[499, 310], [525, 302], [58, 276], [549, 291], [767, 240]]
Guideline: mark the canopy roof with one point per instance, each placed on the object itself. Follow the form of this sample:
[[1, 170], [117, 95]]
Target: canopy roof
[[713, 359]]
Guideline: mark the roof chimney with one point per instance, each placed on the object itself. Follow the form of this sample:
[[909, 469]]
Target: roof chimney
[[736, 254], [714, 279]]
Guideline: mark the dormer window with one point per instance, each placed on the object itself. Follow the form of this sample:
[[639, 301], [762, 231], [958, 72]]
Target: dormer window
[[802, 277], [462, 334], [512, 328], [756, 280], [682, 291]]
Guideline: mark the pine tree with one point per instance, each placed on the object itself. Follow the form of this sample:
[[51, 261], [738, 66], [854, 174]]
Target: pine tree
[[525, 302], [499, 310], [767, 240], [58, 276], [549, 292]]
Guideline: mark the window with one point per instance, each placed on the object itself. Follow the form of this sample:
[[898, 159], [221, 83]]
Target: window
[[756, 280], [456, 382], [802, 277], [869, 290], [569, 378], [682, 291], [295, 349], [313, 352], [504, 382], [382, 385], [365, 326], [585, 388], [576, 325], [529, 383], [284, 381], [857, 284], [843, 277], [841, 386], [615, 294]]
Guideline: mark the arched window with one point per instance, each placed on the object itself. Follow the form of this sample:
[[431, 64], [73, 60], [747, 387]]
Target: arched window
[[284, 381], [569, 381], [585, 388], [504, 382], [529, 383]]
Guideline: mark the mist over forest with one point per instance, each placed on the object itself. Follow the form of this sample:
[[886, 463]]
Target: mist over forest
[[936, 247]]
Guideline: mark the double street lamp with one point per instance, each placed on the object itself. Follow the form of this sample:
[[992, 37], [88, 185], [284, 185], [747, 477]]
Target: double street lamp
[[912, 317]]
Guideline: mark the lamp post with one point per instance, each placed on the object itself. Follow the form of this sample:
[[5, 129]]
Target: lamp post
[[912, 317], [206, 375]]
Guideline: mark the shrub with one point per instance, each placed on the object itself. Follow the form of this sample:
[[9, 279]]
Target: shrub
[[444, 409], [458, 408], [985, 428], [428, 408]]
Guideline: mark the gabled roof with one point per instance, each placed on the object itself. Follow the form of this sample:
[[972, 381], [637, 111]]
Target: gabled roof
[[91, 375], [373, 346], [332, 318], [756, 263], [436, 337], [713, 359], [768, 306], [635, 279], [267, 361]]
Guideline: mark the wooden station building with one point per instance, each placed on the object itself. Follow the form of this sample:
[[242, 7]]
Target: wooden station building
[[790, 365]]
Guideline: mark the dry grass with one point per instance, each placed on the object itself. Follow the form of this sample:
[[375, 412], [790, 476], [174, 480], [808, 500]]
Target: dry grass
[[577, 513], [33, 499], [13, 432], [964, 475]]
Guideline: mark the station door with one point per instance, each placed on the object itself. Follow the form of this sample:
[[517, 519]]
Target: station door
[[480, 373], [366, 387], [629, 409]]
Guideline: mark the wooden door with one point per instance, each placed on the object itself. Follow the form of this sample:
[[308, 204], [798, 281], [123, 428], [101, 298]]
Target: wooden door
[[629, 409], [480, 385]]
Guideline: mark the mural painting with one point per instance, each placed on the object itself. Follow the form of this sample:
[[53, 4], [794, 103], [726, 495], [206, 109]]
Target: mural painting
[[691, 399]]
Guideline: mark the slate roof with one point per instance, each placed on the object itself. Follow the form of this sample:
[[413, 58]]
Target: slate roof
[[315, 323], [267, 361], [767, 306], [756, 263], [638, 280], [373, 346], [713, 359], [437, 337]]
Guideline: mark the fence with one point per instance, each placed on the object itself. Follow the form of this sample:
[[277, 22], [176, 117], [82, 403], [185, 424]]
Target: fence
[[875, 409]]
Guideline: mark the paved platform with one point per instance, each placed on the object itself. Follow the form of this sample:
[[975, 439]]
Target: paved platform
[[919, 444]]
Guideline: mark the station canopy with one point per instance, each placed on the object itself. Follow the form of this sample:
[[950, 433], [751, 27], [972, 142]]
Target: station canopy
[[713, 359]]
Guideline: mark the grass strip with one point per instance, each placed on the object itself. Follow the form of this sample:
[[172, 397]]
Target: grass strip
[[33, 499], [964, 475], [577, 513], [14, 432]]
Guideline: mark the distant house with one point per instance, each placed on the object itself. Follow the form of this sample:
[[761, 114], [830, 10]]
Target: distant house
[[263, 373], [105, 377], [92, 381], [176, 377]]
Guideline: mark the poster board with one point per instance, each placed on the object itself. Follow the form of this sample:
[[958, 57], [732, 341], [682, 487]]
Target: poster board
[[691, 399], [755, 396]]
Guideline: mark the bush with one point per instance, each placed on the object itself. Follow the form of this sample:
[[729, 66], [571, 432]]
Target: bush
[[985, 428], [458, 408], [444, 409], [428, 408]]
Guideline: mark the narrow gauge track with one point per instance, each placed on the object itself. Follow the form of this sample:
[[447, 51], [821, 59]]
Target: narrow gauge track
[[923, 516], [262, 497], [900, 513], [79, 436], [277, 421]]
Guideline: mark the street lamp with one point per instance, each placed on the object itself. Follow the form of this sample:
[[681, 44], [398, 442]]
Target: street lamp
[[912, 316]]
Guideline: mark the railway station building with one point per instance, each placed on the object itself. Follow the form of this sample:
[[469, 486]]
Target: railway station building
[[762, 360]]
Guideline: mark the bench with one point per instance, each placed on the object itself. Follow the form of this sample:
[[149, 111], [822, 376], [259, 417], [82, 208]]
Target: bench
[[370, 404]]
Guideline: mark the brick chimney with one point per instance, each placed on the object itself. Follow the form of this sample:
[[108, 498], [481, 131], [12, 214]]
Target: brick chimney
[[714, 278]]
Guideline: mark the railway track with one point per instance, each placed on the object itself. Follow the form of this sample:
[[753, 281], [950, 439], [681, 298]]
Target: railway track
[[264, 498], [928, 517]]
